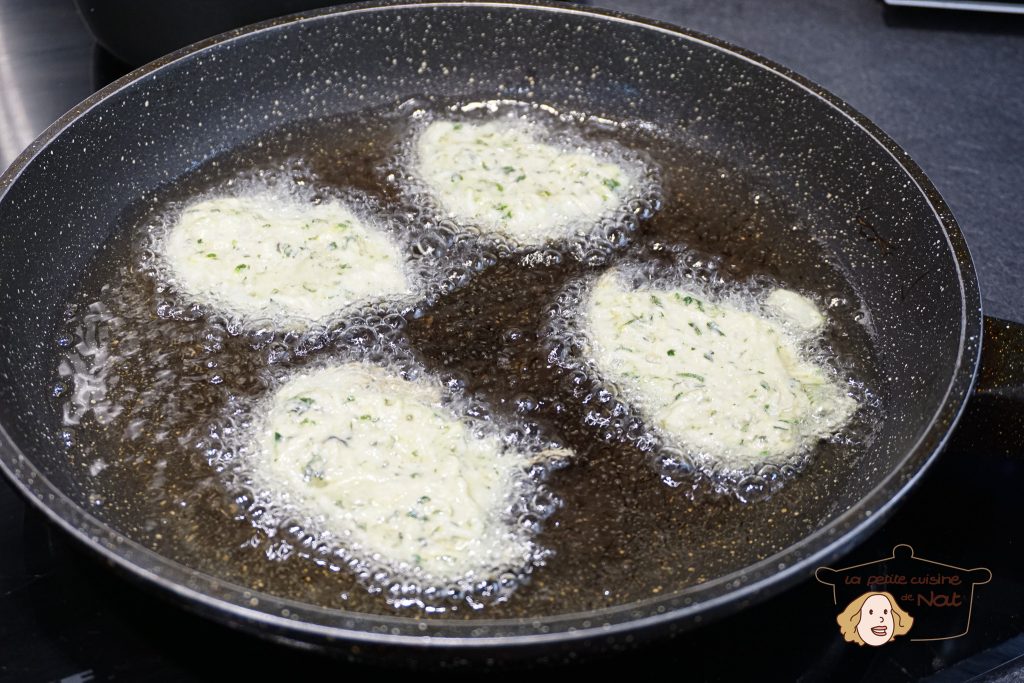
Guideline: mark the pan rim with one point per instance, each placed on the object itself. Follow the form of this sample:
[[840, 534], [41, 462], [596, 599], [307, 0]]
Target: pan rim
[[821, 546]]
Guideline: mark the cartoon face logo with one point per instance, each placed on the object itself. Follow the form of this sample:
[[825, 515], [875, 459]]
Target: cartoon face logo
[[873, 619]]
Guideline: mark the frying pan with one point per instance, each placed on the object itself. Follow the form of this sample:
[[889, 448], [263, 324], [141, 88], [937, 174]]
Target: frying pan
[[880, 218]]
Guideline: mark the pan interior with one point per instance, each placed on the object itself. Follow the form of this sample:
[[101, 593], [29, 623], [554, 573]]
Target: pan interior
[[755, 171]]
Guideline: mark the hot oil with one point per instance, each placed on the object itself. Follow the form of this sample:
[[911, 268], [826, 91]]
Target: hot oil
[[168, 378]]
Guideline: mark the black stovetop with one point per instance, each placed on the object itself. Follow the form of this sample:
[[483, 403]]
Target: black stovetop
[[948, 87]]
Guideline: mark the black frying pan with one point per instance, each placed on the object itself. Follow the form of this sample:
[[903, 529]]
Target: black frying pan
[[878, 216]]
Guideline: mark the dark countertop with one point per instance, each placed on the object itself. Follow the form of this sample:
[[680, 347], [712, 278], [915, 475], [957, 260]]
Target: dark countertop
[[949, 87]]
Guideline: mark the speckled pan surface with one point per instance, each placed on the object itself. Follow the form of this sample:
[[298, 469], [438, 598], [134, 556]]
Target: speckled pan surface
[[888, 229]]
